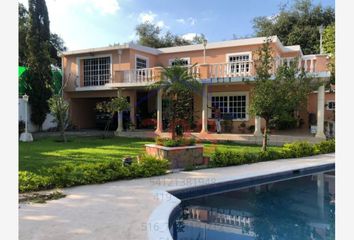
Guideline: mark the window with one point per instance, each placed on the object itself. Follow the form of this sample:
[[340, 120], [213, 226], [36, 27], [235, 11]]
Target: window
[[97, 71], [239, 63], [141, 62], [236, 105], [182, 61], [331, 105]]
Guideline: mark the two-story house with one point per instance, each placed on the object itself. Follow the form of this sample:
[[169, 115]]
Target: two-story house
[[93, 75]]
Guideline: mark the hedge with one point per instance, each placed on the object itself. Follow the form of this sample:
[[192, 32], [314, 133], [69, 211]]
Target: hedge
[[291, 150], [90, 173]]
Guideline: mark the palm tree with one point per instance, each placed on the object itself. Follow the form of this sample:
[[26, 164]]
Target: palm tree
[[175, 82]]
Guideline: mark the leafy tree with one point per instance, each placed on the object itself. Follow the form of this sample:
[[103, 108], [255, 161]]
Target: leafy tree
[[150, 35], [297, 24], [117, 104], [329, 47], [282, 94], [56, 42], [177, 82], [59, 108], [38, 59]]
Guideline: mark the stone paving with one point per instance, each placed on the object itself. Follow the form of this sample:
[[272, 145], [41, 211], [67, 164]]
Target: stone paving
[[121, 209]]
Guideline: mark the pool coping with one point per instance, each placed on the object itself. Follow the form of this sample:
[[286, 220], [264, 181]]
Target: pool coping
[[159, 220]]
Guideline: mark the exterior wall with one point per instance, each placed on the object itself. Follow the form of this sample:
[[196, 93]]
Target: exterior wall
[[312, 105]]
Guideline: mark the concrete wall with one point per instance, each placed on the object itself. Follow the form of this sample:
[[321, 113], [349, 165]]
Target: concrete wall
[[47, 124]]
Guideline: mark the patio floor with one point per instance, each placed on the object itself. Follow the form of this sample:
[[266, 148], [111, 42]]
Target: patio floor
[[278, 138]]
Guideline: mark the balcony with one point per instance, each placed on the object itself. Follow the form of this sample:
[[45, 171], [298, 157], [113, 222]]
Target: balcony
[[208, 73]]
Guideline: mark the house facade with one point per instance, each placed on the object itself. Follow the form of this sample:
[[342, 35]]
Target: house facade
[[93, 75]]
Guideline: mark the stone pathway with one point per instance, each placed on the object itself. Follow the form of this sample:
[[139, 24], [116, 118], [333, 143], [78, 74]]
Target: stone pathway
[[121, 209]]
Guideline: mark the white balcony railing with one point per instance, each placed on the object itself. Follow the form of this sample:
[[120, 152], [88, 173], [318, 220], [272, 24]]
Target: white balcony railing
[[231, 69], [139, 75]]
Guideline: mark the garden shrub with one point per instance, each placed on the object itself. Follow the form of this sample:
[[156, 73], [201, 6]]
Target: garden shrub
[[298, 149], [292, 150], [90, 173], [181, 141]]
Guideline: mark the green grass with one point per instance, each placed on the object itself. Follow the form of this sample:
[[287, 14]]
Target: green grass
[[49, 153]]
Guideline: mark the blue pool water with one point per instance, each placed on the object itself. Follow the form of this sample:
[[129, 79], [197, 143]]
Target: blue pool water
[[296, 209]]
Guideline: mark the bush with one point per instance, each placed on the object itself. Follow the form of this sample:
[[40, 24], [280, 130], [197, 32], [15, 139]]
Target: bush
[[326, 146], [72, 175], [292, 150], [168, 142], [298, 149]]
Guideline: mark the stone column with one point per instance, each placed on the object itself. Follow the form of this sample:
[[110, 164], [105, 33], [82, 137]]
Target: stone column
[[320, 112], [159, 128], [205, 109], [257, 127], [120, 115]]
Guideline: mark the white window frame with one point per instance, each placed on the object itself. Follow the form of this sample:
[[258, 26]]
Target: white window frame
[[327, 105], [142, 57], [171, 60], [78, 61], [238, 54], [238, 93]]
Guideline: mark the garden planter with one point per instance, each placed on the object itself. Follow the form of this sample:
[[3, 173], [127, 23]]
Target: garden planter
[[179, 157]]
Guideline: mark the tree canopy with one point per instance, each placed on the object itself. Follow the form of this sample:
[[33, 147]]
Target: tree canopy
[[57, 44], [151, 35], [329, 48], [297, 24]]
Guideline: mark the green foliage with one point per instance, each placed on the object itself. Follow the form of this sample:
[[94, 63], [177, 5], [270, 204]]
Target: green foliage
[[283, 122], [292, 150], [60, 110], [284, 94], [297, 24], [178, 84], [56, 43], [150, 35], [180, 141], [329, 48], [89, 173], [114, 105], [38, 60]]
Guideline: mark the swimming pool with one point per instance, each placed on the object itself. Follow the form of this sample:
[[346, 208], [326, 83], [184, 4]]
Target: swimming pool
[[292, 209]]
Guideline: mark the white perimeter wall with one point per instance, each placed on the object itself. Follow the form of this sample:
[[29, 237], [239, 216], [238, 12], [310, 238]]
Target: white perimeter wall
[[48, 123]]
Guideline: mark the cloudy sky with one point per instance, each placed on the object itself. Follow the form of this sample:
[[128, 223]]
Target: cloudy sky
[[97, 23]]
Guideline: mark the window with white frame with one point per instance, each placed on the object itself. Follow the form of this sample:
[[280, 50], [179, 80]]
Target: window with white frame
[[239, 63], [331, 105], [97, 71], [141, 62], [180, 61], [234, 104]]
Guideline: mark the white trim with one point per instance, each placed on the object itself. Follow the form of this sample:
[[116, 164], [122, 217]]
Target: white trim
[[78, 60], [236, 93], [142, 57], [182, 58], [228, 55], [327, 105]]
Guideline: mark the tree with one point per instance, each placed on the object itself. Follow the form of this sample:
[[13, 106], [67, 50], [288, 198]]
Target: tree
[[57, 44], [117, 104], [329, 48], [38, 59], [59, 108], [284, 93], [150, 35], [176, 82], [297, 24]]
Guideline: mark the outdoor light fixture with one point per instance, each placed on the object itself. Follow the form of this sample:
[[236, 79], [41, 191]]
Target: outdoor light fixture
[[26, 136], [204, 45], [320, 29]]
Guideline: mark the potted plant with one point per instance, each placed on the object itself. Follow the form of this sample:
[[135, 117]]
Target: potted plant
[[242, 127]]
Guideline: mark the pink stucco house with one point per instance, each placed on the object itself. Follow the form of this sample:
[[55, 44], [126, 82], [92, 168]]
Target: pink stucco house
[[93, 75]]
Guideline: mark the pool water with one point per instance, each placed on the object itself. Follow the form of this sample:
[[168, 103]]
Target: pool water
[[299, 208]]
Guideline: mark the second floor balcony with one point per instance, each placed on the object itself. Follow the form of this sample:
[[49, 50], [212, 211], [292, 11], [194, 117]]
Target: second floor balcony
[[215, 72]]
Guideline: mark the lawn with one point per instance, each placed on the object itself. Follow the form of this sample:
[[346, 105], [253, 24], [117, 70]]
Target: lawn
[[49, 153]]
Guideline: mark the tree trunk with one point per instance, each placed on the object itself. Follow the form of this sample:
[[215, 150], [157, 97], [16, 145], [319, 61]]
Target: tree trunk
[[265, 136]]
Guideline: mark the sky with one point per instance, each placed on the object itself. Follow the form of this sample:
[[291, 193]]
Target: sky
[[98, 23]]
